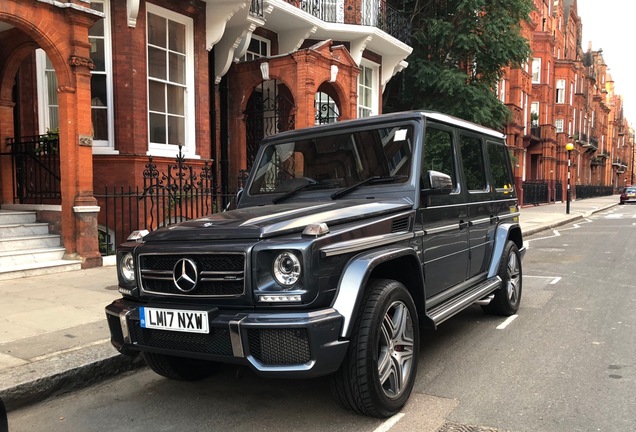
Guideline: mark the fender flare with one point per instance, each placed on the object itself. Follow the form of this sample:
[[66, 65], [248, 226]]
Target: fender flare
[[355, 277], [501, 239]]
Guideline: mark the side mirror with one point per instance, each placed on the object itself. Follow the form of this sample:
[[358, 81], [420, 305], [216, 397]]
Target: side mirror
[[232, 204], [439, 183]]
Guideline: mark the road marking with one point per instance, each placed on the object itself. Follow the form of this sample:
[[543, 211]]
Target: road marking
[[555, 279], [387, 425], [504, 324]]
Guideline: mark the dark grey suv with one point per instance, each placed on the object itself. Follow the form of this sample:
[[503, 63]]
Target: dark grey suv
[[348, 238]]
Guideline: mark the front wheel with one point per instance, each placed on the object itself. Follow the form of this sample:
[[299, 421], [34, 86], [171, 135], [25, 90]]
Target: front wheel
[[508, 297], [377, 376]]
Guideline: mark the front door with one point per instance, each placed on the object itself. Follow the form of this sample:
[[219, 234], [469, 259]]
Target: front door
[[443, 217]]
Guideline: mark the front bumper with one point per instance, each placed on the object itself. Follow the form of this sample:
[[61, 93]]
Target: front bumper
[[284, 344]]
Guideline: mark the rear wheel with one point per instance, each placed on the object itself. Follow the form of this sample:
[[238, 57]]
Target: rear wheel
[[378, 373], [508, 297], [180, 368]]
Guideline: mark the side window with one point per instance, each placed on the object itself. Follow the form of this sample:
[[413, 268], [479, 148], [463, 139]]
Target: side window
[[499, 168], [438, 155], [473, 162]]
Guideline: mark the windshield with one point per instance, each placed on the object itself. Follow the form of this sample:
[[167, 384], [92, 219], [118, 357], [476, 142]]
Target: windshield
[[335, 161]]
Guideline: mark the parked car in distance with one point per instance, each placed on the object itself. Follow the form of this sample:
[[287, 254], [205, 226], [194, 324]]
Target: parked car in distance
[[347, 238], [628, 195]]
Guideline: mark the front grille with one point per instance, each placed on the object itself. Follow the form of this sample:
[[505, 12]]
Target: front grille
[[219, 275], [216, 342], [279, 346]]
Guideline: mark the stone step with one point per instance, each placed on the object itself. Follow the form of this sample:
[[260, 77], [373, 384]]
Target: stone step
[[16, 217], [11, 259], [39, 268], [29, 242], [23, 229]]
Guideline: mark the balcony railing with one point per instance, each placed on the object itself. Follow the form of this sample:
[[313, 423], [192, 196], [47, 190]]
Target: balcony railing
[[375, 13], [256, 8]]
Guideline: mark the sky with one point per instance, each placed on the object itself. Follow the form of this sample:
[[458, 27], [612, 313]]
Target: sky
[[610, 25]]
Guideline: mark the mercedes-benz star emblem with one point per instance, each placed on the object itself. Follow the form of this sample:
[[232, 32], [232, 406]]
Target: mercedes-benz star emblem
[[185, 275]]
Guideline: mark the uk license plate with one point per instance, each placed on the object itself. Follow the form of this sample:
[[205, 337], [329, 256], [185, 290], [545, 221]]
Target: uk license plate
[[174, 320]]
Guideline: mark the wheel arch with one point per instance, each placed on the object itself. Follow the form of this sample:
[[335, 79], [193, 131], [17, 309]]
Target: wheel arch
[[504, 233], [400, 264]]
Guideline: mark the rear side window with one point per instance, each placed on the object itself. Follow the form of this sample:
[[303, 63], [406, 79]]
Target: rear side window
[[473, 161], [499, 168]]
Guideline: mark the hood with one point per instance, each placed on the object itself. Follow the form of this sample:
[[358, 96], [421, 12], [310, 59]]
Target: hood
[[273, 220]]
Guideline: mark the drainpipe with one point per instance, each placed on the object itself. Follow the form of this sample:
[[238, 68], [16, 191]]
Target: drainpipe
[[213, 140], [225, 140]]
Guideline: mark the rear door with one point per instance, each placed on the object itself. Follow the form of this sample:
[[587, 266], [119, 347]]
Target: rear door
[[481, 221]]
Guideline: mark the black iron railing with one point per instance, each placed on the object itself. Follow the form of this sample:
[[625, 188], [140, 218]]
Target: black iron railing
[[535, 192], [36, 168], [590, 191], [558, 188], [375, 13], [256, 7], [181, 193]]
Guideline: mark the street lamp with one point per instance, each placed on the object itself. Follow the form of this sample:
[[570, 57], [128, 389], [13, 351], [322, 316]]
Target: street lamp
[[569, 147]]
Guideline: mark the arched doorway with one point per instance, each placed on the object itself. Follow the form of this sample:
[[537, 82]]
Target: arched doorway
[[270, 110], [62, 32], [327, 104]]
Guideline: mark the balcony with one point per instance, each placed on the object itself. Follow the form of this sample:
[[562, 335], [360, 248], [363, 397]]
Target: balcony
[[374, 13]]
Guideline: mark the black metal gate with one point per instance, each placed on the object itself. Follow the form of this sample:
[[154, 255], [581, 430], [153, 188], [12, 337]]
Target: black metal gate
[[36, 169], [270, 110]]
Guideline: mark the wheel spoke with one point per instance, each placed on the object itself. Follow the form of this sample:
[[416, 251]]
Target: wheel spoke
[[513, 278], [395, 354]]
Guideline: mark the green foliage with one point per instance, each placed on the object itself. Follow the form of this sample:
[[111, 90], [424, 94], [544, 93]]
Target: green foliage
[[460, 49]]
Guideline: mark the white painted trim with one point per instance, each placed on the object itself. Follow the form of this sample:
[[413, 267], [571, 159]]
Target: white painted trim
[[86, 209]]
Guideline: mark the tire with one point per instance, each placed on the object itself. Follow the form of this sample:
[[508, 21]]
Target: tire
[[179, 368], [377, 375], [508, 297]]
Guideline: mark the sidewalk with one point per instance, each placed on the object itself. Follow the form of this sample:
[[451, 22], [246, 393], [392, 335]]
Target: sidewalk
[[53, 331]]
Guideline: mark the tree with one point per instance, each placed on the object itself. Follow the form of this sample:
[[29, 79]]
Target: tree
[[460, 50]]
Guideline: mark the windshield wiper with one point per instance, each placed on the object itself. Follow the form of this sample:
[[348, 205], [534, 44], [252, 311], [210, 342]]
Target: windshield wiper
[[283, 197], [374, 179]]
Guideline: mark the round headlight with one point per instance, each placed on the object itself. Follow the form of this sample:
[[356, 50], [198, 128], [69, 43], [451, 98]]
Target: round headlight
[[127, 267], [286, 268]]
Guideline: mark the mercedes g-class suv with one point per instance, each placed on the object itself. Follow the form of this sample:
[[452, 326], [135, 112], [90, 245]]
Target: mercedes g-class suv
[[346, 240]]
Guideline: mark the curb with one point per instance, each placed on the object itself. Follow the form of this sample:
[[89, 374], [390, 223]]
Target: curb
[[570, 219], [62, 373]]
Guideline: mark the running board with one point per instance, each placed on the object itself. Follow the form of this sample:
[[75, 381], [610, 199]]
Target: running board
[[444, 311]]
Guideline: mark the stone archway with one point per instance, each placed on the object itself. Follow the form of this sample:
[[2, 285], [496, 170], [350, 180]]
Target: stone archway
[[61, 30]]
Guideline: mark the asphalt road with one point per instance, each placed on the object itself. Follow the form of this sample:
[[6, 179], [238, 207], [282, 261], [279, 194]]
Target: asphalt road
[[567, 362]]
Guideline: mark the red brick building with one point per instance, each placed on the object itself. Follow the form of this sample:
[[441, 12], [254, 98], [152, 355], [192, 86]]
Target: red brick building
[[571, 100], [97, 87]]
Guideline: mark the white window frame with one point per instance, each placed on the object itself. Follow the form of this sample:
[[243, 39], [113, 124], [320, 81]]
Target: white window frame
[[260, 39], [560, 91], [107, 146], [558, 125], [189, 147], [44, 121], [536, 70], [534, 109], [375, 88], [502, 90]]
